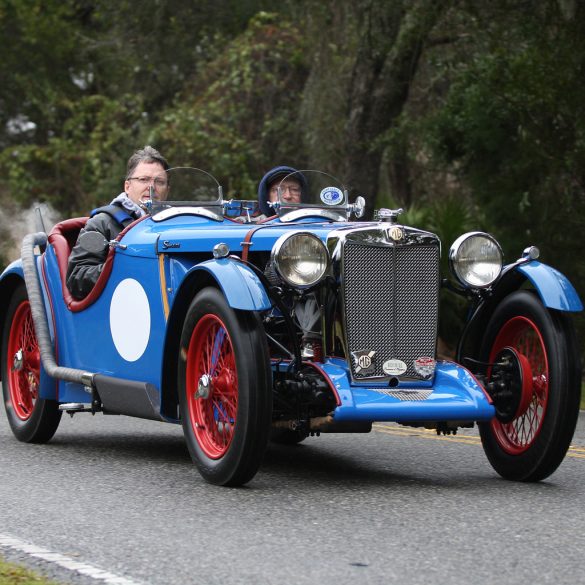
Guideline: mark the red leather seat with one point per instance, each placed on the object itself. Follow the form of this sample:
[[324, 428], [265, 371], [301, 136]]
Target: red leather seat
[[63, 237]]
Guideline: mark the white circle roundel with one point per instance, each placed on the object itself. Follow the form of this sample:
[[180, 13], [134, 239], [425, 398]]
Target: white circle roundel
[[130, 319]]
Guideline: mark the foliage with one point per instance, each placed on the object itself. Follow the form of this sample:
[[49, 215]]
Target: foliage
[[97, 73], [40, 59], [235, 117], [514, 124], [85, 163]]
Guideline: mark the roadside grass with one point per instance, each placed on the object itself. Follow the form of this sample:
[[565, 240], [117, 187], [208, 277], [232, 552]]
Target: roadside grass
[[11, 574]]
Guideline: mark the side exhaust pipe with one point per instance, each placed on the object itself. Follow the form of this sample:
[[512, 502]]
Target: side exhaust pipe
[[39, 316], [114, 395]]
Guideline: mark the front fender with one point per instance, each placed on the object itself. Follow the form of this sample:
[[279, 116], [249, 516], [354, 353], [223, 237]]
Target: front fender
[[241, 287], [554, 288]]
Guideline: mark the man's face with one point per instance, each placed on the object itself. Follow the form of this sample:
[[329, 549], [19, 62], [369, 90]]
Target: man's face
[[145, 175], [290, 191]]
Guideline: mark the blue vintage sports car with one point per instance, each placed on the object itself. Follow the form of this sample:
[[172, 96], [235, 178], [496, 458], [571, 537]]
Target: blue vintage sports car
[[246, 329]]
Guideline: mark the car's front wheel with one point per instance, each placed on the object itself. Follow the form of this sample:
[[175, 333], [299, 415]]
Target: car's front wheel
[[31, 418], [531, 434], [224, 389]]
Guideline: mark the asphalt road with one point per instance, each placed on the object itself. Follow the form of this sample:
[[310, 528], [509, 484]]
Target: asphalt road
[[120, 501]]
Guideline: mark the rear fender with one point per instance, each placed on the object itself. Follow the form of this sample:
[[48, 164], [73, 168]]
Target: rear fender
[[10, 279]]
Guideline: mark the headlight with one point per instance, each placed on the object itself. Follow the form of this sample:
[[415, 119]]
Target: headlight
[[300, 258], [476, 260]]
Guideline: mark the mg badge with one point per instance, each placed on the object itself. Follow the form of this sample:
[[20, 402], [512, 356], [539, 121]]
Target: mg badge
[[425, 366], [363, 361], [396, 233], [394, 367]]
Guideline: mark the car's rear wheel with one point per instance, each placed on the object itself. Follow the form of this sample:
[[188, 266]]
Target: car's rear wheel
[[31, 418], [531, 434], [225, 389]]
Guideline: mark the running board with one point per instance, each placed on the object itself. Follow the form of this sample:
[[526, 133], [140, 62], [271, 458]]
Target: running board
[[119, 396], [73, 407]]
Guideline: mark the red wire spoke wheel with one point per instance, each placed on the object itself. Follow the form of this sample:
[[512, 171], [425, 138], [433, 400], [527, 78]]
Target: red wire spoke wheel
[[225, 389], [524, 336], [32, 419], [23, 351], [529, 442], [213, 417]]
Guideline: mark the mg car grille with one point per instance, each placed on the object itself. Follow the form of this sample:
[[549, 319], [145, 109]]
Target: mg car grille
[[390, 300]]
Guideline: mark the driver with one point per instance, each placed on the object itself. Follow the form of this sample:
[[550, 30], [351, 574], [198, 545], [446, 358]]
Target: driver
[[292, 188], [146, 168]]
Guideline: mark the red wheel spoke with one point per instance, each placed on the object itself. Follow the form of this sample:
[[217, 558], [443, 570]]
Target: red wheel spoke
[[213, 418], [24, 357], [523, 335]]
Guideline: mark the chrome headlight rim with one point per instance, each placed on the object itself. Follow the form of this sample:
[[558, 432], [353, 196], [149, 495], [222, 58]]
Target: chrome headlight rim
[[461, 245], [277, 260]]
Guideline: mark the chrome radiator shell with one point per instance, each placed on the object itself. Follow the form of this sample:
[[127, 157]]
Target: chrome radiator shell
[[389, 280]]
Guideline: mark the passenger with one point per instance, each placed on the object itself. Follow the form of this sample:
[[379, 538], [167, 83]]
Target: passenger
[[146, 168], [292, 188]]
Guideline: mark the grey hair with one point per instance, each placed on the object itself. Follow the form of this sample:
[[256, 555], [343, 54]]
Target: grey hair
[[147, 154]]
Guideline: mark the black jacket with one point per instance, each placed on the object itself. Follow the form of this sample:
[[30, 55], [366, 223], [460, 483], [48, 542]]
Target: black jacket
[[85, 267]]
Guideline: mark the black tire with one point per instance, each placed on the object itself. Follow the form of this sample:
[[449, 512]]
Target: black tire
[[287, 437], [32, 419], [227, 431], [532, 445]]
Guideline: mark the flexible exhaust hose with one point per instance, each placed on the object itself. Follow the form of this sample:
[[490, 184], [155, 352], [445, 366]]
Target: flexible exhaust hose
[[39, 315]]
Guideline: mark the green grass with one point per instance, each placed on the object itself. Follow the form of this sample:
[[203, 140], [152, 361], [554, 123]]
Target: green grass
[[11, 574]]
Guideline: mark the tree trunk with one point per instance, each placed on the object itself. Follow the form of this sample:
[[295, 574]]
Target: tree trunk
[[391, 39]]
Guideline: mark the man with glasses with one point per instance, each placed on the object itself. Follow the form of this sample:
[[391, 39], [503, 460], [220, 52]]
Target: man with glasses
[[145, 176], [291, 187]]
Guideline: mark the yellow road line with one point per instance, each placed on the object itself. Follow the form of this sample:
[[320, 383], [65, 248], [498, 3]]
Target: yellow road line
[[575, 451]]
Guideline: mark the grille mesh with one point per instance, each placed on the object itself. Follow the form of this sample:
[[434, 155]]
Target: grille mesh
[[412, 395], [391, 303]]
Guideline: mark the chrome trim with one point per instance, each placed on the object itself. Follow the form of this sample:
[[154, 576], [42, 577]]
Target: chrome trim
[[187, 210], [309, 212], [530, 253], [358, 208], [377, 236], [274, 257], [454, 251], [221, 250], [405, 394]]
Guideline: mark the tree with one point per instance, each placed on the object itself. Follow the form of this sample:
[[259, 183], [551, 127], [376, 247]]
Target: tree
[[368, 67], [513, 125], [237, 116]]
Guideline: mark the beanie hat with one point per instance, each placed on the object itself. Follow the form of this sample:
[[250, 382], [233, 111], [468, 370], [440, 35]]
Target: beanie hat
[[270, 177]]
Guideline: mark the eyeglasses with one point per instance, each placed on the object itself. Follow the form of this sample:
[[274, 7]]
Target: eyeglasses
[[158, 181], [295, 191]]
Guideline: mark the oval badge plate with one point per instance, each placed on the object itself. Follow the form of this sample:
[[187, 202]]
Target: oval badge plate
[[331, 196], [394, 367]]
